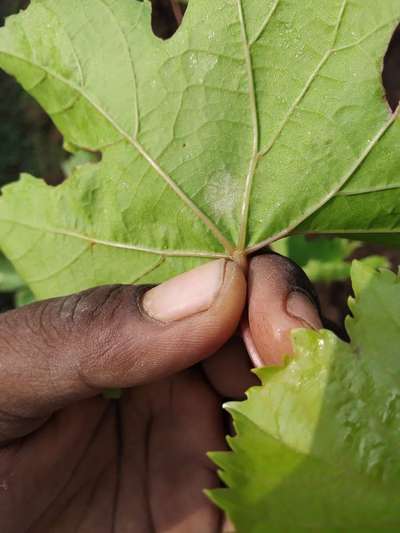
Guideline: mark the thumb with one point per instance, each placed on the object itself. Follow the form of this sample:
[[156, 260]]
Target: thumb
[[281, 298], [61, 350]]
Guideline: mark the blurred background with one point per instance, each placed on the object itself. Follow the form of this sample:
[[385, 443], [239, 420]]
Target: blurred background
[[30, 143]]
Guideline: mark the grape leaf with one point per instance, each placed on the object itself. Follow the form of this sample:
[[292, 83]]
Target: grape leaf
[[257, 119], [77, 159], [324, 259], [23, 296], [10, 282], [9, 279], [317, 444]]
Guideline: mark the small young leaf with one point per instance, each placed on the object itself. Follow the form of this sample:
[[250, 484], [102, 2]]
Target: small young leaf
[[317, 443], [9, 279], [257, 118], [322, 259], [24, 296]]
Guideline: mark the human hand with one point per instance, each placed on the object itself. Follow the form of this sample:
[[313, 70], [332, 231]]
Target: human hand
[[71, 460]]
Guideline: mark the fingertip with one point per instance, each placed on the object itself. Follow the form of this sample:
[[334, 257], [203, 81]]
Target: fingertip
[[280, 299], [185, 295], [300, 307], [215, 287], [232, 297], [171, 327], [222, 319]]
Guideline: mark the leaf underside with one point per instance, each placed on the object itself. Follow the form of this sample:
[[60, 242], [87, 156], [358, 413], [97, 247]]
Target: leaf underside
[[257, 119], [317, 444]]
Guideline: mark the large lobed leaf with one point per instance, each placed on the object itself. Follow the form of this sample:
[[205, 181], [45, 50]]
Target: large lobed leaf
[[317, 445], [257, 119]]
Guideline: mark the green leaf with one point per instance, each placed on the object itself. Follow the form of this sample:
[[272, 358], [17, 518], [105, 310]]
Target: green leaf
[[77, 159], [9, 279], [324, 259], [257, 118], [317, 445], [24, 296]]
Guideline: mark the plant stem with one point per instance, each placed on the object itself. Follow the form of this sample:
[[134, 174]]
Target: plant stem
[[177, 10]]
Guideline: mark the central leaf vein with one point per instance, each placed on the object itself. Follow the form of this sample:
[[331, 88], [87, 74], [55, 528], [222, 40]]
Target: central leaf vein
[[256, 132]]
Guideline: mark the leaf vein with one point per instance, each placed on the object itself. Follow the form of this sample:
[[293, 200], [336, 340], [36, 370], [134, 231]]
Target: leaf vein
[[76, 57], [132, 65], [228, 246], [308, 84], [63, 268], [244, 219], [367, 190], [121, 245], [265, 23], [149, 270], [367, 36], [334, 191]]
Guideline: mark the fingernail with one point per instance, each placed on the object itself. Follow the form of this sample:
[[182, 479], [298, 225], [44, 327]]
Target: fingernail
[[250, 344], [187, 294], [300, 306]]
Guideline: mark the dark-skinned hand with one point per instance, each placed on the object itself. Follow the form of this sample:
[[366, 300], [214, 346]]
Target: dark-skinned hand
[[72, 461]]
